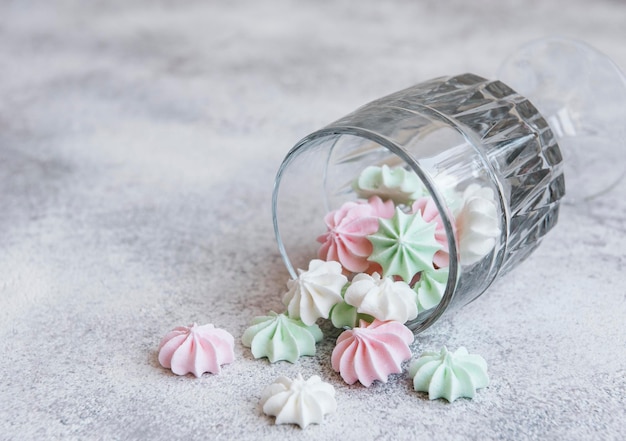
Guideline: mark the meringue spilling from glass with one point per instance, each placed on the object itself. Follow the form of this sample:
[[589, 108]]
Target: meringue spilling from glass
[[445, 185]]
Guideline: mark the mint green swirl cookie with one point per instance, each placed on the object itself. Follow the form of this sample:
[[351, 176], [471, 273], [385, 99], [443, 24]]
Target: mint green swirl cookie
[[404, 245], [430, 288], [346, 316], [279, 337], [396, 184], [449, 375]]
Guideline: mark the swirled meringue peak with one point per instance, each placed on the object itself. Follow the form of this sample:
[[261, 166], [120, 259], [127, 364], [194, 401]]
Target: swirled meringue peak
[[382, 298], [345, 240], [430, 288], [449, 375], [404, 245], [428, 210], [279, 337], [299, 401], [313, 294], [196, 349], [397, 184], [372, 351], [477, 224]]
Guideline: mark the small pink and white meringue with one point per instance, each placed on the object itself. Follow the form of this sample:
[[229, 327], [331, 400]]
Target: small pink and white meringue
[[372, 351], [348, 227], [427, 208], [196, 349]]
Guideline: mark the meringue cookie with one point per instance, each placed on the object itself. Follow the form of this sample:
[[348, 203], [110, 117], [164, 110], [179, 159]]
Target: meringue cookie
[[371, 351], [347, 229], [299, 401], [446, 184], [397, 184], [430, 288], [449, 375], [313, 294], [428, 210], [196, 349], [404, 245], [477, 224], [344, 315], [382, 298], [279, 337]]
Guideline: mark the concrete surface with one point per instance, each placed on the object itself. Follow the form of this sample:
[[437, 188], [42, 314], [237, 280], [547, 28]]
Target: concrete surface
[[138, 145]]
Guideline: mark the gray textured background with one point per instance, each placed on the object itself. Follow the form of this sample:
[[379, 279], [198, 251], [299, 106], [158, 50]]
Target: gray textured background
[[138, 145]]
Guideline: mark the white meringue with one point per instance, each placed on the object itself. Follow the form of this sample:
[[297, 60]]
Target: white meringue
[[477, 224], [446, 184], [314, 293], [382, 298], [299, 401]]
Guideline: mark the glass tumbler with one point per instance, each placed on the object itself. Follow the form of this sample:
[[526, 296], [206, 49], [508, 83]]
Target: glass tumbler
[[484, 157]]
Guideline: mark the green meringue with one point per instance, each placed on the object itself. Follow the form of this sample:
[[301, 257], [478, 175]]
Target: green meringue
[[430, 288], [404, 245], [278, 337], [396, 184], [346, 316], [449, 375]]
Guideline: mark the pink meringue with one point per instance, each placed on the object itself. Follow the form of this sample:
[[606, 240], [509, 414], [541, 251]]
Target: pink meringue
[[348, 227], [372, 351], [427, 208], [196, 349]]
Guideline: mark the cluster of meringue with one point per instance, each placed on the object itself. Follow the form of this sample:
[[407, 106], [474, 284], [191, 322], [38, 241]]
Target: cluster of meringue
[[372, 309], [365, 353], [395, 228], [382, 261], [395, 232], [443, 374], [294, 333]]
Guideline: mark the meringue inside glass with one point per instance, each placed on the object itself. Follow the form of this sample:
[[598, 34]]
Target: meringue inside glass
[[363, 200]]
